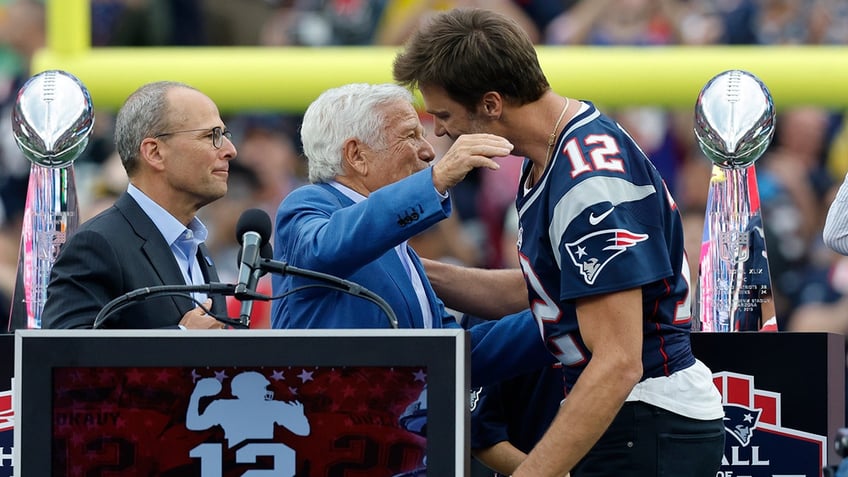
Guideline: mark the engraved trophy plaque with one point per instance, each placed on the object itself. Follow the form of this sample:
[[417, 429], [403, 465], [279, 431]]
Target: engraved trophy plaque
[[734, 125], [52, 121]]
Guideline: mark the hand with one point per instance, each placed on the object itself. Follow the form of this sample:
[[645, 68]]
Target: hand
[[207, 387], [468, 152], [197, 319]]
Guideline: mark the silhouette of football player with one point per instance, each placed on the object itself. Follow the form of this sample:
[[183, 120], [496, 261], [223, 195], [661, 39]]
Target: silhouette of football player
[[251, 415]]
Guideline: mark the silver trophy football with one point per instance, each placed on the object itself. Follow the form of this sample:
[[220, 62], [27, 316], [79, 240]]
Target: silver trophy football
[[52, 121], [734, 125]]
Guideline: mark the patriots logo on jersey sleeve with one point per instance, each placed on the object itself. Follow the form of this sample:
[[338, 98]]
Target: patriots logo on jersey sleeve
[[592, 252]]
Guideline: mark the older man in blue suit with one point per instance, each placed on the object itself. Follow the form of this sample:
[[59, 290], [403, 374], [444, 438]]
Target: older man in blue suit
[[372, 188]]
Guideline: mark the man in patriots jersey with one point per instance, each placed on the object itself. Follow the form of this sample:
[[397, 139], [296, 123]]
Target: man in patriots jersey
[[601, 250]]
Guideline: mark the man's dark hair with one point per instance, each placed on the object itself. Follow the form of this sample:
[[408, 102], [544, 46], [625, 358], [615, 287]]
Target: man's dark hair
[[469, 52]]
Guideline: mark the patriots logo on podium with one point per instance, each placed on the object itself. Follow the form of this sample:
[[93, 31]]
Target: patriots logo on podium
[[756, 442], [592, 252], [740, 422]]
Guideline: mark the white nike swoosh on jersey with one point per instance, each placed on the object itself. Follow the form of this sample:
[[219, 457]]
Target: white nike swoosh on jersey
[[596, 220]]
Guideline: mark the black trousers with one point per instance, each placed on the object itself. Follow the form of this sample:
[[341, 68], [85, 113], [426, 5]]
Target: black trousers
[[646, 441]]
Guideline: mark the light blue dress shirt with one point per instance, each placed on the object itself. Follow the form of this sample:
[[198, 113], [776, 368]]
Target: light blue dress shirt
[[182, 240]]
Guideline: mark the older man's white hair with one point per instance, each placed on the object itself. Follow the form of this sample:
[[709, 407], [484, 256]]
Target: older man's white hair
[[338, 114]]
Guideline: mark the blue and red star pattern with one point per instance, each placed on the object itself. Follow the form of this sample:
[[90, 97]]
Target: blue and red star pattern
[[132, 421]]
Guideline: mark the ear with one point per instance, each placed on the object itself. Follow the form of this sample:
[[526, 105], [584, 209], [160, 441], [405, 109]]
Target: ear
[[151, 154], [492, 104], [354, 157]]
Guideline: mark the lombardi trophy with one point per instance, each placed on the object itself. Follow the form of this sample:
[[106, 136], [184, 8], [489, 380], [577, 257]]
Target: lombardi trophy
[[52, 121], [734, 125]]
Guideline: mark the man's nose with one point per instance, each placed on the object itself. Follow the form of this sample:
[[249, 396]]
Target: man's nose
[[439, 128], [427, 153], [229, 149]]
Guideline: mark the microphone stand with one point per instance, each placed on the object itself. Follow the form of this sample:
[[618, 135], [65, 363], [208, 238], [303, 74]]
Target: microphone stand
[[335, 282], [266, 264], [140, 294]]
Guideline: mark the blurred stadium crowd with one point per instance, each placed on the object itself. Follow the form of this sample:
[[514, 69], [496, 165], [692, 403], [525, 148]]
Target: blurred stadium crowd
[[797, 176]]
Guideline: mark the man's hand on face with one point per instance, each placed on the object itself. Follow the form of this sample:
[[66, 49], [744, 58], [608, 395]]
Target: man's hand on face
[[468, 152]]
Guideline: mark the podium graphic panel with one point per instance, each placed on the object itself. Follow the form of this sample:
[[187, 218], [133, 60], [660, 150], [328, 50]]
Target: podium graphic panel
[[232, 403]]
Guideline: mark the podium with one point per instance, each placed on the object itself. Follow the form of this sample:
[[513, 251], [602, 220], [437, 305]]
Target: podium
[[784, 395], [230, 403], [784, 399]]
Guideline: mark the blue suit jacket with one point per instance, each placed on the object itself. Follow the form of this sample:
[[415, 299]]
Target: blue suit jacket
[[320, 229]]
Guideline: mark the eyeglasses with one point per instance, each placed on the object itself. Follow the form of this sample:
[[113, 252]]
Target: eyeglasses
[[217, 133]]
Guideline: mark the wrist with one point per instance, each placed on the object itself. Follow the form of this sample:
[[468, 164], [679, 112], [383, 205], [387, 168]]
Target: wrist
[[441, 187]]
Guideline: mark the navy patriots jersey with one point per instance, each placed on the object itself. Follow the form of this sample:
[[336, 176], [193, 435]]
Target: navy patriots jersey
[[601, 220]]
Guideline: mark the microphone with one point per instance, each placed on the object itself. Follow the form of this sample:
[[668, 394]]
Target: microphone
[[265, 252], [253, 229]]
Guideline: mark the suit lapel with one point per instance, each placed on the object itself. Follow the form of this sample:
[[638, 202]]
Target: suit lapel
[[391, 264], [210, 275], [159, 256], [207, 266], [394, 270]]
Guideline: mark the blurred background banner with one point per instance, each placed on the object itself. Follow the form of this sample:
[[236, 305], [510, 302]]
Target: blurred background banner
[[287, 74], [288, 78]]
